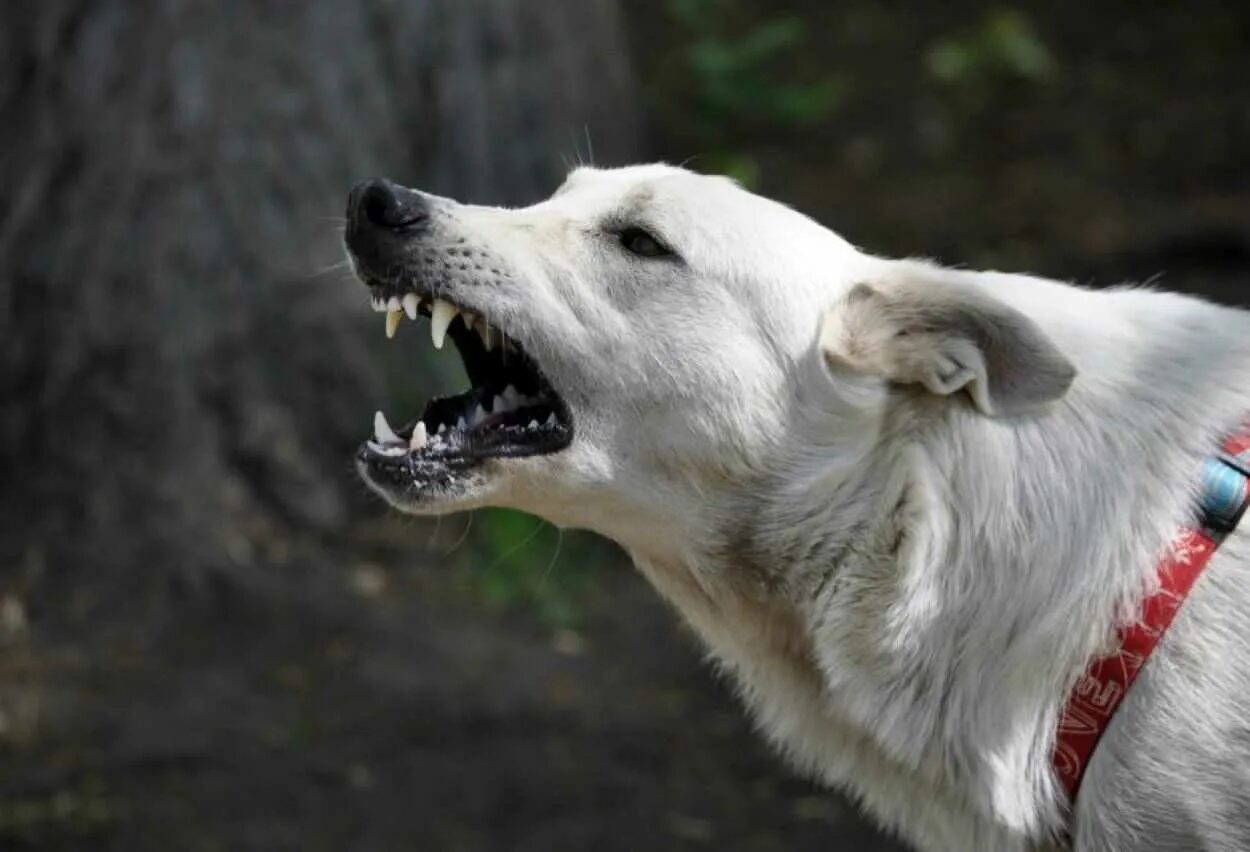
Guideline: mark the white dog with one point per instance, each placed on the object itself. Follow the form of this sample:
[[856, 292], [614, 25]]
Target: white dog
[[903, 505]]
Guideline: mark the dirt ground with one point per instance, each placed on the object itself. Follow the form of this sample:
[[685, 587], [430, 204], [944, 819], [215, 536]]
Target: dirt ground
[[380, 706]]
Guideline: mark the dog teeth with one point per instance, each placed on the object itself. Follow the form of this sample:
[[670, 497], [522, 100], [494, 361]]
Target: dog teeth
[[533, 425], [440, 318], [442, 315], [551, 419], [382, 430], [419, 436], [509, 400]]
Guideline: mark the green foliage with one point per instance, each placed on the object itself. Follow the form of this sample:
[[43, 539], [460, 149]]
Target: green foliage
[[743, 168], [736, 81], [530, 563], [1005, 46]]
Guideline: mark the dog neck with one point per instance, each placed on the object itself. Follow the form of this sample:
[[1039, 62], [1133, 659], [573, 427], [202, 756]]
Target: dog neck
[[936, 590]]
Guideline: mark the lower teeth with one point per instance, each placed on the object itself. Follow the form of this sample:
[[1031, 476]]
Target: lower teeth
[[386, 442]]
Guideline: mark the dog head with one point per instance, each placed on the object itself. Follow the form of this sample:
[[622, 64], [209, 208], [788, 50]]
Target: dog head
[[638, 343]]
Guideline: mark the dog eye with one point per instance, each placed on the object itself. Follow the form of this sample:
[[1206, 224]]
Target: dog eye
[[639, 242]]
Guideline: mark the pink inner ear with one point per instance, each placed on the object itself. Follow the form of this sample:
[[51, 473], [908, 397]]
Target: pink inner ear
[[856, 332], [946, 337]]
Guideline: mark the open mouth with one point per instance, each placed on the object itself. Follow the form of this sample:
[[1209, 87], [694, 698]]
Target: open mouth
[[511, 410]]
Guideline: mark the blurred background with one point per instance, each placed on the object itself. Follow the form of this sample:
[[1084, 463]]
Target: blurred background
[[211, 637]]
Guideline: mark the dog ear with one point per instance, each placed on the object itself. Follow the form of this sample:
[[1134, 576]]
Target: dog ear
[[948, 338]]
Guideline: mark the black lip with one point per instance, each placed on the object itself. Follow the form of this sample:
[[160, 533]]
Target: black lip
[[418, 473], [503, 436], [468, 449], [409, 475]]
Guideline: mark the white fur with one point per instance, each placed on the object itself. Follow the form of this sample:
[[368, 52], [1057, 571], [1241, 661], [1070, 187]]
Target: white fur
[[903, 580]]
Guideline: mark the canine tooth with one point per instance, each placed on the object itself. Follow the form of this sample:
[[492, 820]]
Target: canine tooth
[[392, 304], [441, 317], [382, 430], [551, 419], [392, 322], [533, 425], [410, 305], [419, 436]]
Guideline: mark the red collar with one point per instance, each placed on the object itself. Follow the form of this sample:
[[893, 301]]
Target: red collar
[[1226, 495]]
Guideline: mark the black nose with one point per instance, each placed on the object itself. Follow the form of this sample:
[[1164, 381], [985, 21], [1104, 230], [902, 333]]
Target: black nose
[[381, 217], [379, 203]]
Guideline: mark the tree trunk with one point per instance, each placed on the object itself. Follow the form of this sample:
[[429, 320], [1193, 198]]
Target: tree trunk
[[185, 366]]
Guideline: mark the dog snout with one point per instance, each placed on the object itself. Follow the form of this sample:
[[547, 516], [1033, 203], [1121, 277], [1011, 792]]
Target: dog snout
[[380, 213]]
